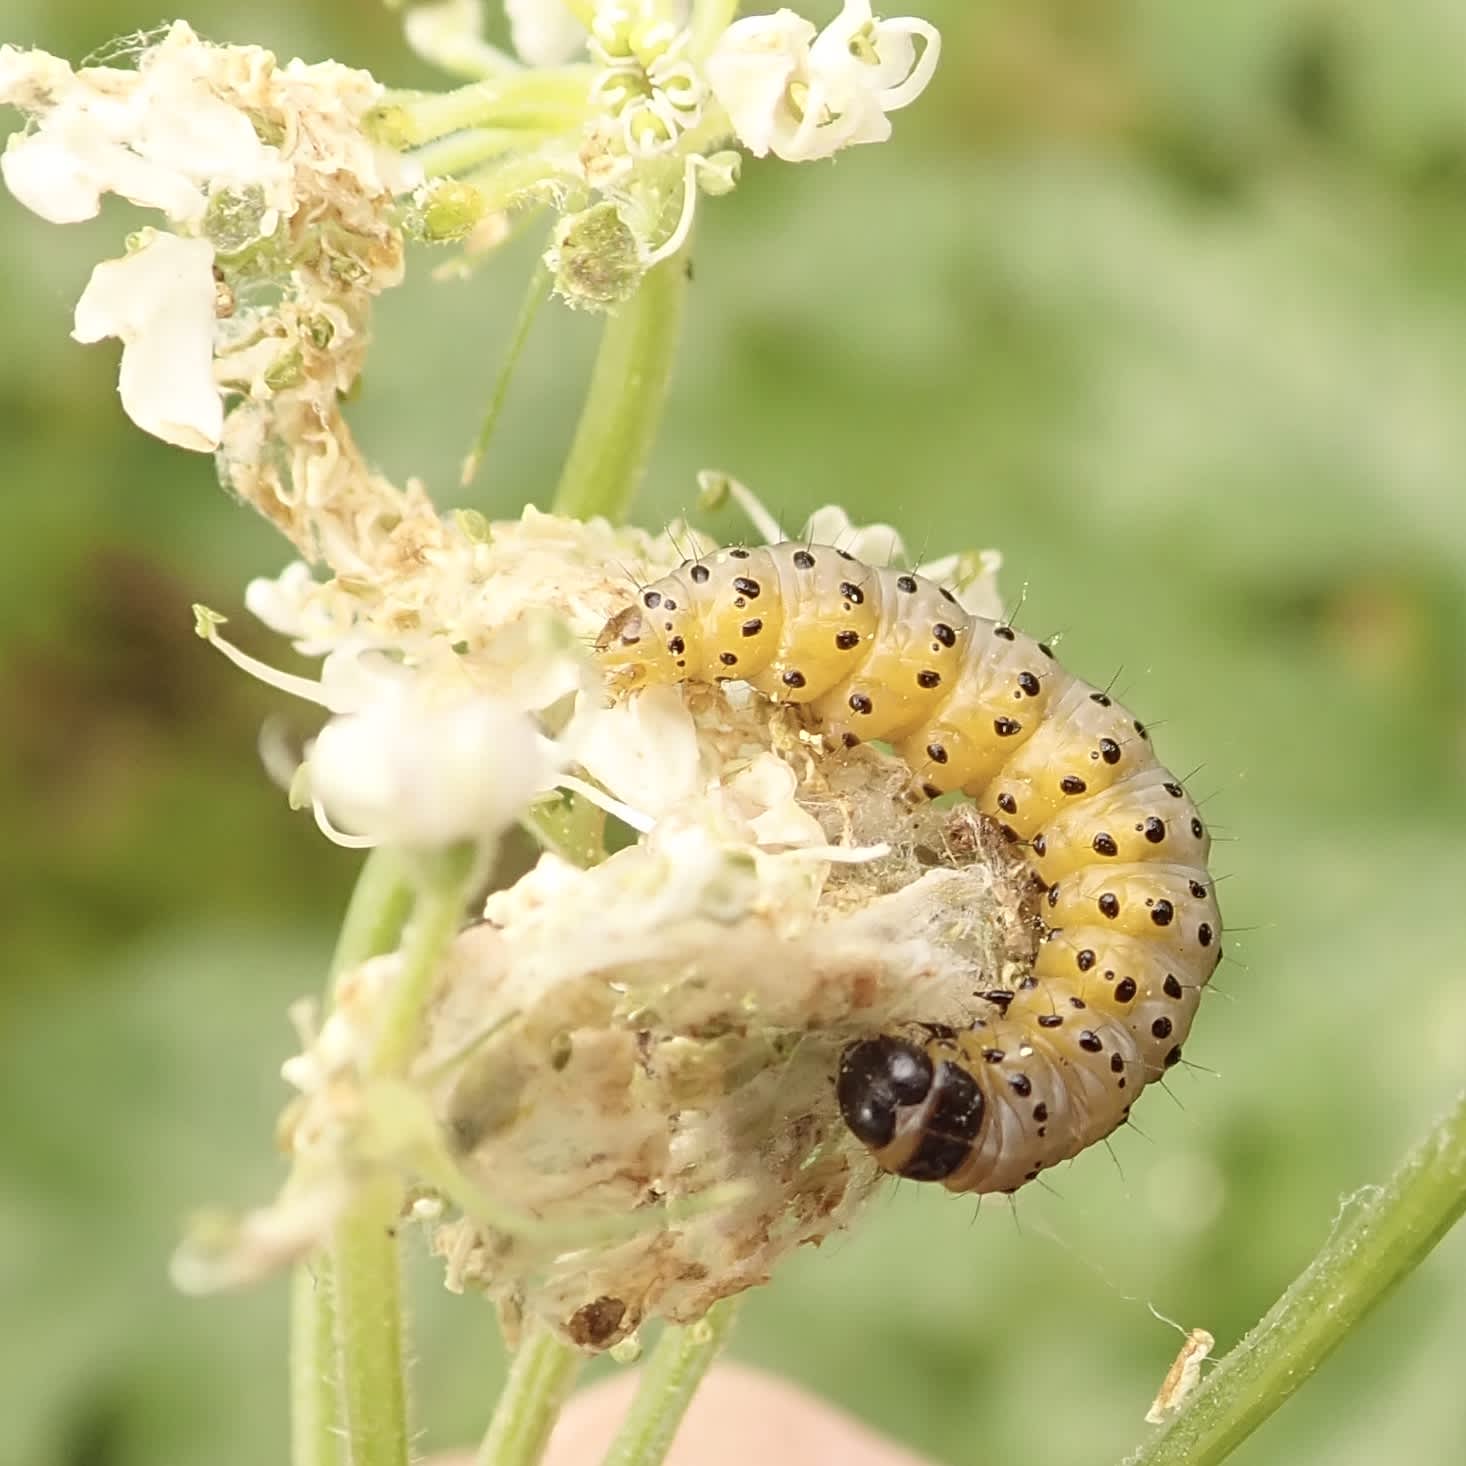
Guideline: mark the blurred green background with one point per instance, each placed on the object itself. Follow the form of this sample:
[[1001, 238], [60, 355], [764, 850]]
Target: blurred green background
[[1168, 302]]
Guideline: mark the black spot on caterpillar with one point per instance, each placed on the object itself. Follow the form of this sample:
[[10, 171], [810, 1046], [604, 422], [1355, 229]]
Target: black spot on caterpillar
[[1112, 836]]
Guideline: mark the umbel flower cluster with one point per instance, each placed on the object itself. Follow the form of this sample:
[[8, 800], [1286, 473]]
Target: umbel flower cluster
[[287, 190], [621, 1107], [625, 1091]]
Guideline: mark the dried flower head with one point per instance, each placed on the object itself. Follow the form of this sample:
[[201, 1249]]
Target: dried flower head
[[664, 1029], [624, 1093], [258, 302]]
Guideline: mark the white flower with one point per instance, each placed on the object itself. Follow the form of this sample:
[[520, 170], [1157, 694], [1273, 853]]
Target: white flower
[[423, 771], [184, 131], [646, 84], [644, 750], [803, 97], [158, 136], [417, 756], [288, 606], [875, 544], [765, 795], [856, 53], [751, 71], [545, 32], [971, 576], [159, 300]]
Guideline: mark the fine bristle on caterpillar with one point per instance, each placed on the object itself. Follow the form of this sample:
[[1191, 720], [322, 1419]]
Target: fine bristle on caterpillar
[[1133, 931]]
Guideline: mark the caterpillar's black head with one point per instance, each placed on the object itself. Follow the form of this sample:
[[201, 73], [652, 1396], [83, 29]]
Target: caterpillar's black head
[[878, 1076], [919, 1120]]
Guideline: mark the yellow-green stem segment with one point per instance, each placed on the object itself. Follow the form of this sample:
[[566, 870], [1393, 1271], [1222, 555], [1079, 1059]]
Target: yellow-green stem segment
[[669, 1380], [437, 914], [1380, 1236], [368, 1303], [375, 915], [628, 391], [373, 923], [315, 1417], [543, 1371], [534, 102], [535, 294], [364, 1264]]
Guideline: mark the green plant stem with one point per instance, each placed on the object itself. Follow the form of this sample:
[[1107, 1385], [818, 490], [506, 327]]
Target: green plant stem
[[1381, 1235], [436, 916], [538, 101], [669, 1380], [470, 148], [368, 1299], [365, 1271], [544, 1369], [315, 1416], [373, 923], [535, 294], [628, 390], [375, 915]]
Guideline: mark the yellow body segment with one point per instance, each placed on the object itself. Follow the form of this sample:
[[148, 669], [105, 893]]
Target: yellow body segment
[[1133, 931]]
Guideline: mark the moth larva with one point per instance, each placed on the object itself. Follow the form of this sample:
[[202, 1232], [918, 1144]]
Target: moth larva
[[974, 705]]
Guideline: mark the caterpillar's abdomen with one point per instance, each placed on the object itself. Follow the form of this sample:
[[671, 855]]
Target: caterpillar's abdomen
[[1132, 924]]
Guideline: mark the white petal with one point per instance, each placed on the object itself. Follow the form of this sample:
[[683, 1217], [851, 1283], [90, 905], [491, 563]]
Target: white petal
[[896, 77], [830, 55], [544, 31], [62, 171], [971, 576], [763, 795], [876, 544], [31, 80], [902, 93], [412, 771], [45, 177], [750, 71], [281, 602], [199, 137], [644, 750], [834, 118], [158, 136], [159, 301]]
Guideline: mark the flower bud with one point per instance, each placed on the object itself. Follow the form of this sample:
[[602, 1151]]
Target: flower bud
[[596, 259], [449, 210]]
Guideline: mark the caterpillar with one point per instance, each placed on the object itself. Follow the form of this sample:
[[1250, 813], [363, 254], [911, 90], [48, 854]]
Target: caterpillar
[[1116, 845]]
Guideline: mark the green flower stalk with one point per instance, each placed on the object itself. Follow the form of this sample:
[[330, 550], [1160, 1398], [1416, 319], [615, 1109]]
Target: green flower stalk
[[540, 1379], [628, 391], [1381, 1236], [669, 1380]]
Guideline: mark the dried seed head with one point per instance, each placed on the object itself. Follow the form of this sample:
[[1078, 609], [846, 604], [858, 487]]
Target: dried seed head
[[665, 1031]]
